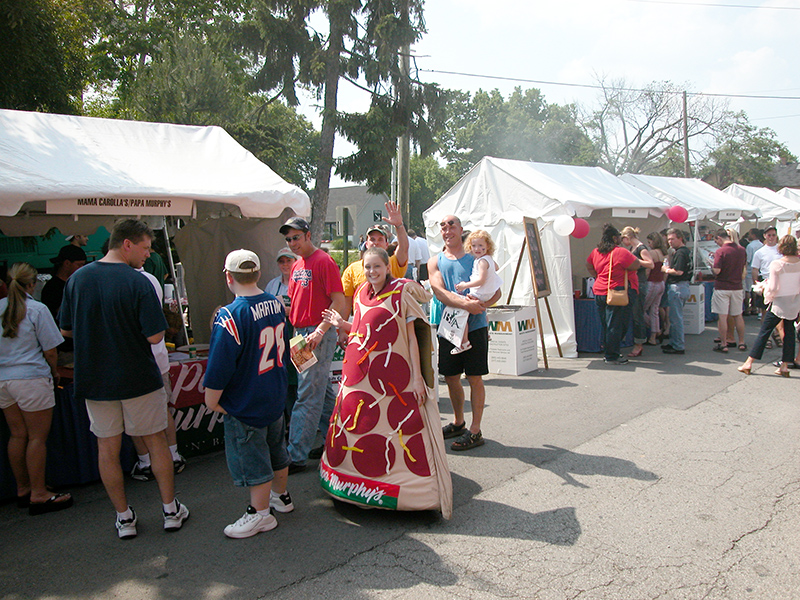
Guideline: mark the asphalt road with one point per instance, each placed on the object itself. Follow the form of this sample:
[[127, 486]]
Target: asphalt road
[[673, 477]]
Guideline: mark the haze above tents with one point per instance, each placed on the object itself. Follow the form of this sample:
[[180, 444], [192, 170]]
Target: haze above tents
[[66, 165]]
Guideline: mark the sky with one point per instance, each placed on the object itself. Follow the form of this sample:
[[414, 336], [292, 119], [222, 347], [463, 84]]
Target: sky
[[732, 47]]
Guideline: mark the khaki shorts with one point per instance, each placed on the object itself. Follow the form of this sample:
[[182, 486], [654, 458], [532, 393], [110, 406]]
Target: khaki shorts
[[144, 415], [30, 395], [727, 302]]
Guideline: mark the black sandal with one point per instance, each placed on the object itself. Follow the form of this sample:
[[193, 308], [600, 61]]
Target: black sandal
[[452, 430], [720, 348], [52, 504], [468, 441]]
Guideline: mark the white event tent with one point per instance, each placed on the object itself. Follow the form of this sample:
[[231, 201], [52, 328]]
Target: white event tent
[[496, 194], [78, 173], [702, 201], [775, 209]]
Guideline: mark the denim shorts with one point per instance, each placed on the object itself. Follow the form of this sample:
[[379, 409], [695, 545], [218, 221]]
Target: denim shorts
[[254, 454]]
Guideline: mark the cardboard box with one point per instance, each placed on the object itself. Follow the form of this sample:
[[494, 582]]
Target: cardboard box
[[512, 343], [694, 311]]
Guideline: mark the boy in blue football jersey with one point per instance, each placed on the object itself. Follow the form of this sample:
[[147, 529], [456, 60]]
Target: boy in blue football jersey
[[246, 381]]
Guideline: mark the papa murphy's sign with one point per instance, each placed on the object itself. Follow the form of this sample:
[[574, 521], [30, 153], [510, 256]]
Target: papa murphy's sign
[[199, 429], [121, 206]]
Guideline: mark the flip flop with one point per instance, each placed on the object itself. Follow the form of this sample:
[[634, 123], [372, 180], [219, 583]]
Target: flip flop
[[742, 347], [720, 348], [52, 504]]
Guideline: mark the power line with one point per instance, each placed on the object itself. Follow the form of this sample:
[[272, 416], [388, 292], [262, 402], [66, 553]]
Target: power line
[[715, 5], [600, 87]]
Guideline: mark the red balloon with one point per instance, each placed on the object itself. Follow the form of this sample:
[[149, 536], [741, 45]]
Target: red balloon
[[677, 214], [581, 228]]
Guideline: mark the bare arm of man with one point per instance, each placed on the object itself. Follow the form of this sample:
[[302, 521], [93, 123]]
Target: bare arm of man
[[470, 304]]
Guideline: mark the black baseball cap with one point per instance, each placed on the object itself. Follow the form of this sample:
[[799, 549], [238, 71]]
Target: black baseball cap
[[294, 223], [70, 253]]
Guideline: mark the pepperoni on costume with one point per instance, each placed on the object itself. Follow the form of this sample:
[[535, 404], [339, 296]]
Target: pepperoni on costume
[[397, 413], [376, 318], [334, 446], [358, 414], [352, 370], [382, 376], [416, 446], [369, 456]]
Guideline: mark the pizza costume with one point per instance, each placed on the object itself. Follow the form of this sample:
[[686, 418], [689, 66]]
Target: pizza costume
[[384, 450]]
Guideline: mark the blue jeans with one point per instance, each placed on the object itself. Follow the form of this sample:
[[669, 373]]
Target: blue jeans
[[614, 322], [254, 454], [677, 293], [315, 398]]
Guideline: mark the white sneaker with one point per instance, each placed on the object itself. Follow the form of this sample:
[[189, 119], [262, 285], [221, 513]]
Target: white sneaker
[[174, 521], [281, 502], [250, 524], [126, 528]]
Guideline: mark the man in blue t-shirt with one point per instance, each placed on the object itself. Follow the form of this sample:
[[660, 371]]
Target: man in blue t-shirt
[[246, 381], [114, 316], [450, 267]]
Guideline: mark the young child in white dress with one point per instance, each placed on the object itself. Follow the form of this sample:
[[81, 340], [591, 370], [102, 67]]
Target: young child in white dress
[[484, 280]]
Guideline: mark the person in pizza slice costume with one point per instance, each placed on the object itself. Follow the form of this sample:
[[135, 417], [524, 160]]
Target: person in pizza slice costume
[[384, 447]]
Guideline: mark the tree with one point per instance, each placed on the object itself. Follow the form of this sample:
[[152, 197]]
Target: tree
[[131, 34], [429, 182], [525, 127], [641, 131], [43, 61], [745, 154]]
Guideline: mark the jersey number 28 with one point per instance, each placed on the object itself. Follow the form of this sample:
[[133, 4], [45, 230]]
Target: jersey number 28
[[270, 337]]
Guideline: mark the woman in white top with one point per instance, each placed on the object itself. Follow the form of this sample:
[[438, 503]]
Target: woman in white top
[[782, 294], [28, 371]]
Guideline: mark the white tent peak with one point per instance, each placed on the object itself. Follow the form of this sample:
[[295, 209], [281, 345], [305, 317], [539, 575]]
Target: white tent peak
[[772, 204], [700, 199], [558, 189], [60, 157]]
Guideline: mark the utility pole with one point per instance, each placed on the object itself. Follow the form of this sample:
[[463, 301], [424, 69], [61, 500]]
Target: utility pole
[[404, 142], [687, 171]]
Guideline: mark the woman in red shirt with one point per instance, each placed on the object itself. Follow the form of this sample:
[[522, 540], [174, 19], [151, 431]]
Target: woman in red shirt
[[608, 264]]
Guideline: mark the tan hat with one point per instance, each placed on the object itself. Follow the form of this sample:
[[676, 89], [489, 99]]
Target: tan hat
[[234, 261], [286, 252]]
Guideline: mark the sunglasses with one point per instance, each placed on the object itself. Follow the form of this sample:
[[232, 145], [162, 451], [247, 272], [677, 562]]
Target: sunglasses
[[450, 223], [294, 238]]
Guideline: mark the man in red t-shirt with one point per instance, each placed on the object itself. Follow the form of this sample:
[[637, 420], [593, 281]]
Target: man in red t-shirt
[[729, 264], [314, 285]]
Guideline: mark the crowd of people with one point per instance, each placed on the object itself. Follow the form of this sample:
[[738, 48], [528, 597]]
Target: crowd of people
[[382, 443], [645, 287]]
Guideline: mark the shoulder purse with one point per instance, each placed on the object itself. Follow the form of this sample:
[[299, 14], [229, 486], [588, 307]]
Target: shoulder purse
[[616, 297]]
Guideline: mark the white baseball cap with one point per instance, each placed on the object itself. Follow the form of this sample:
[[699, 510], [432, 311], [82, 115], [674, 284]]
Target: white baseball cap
[[234, 261]]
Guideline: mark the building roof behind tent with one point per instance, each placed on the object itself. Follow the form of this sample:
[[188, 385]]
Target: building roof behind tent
[[47, 157], [786, 175], [772, 204], [700, 199]]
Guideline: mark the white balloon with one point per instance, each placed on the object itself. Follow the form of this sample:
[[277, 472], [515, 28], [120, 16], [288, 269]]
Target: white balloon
[[564, 225]]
